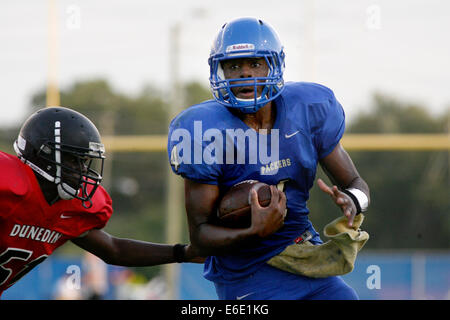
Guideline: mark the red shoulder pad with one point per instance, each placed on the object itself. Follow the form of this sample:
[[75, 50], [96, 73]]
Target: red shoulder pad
[[14, 175]]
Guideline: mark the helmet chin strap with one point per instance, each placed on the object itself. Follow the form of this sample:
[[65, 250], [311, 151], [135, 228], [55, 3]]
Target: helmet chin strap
[[63, 194], [250, 101]]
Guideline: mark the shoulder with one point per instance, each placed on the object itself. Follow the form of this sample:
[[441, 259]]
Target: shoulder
[[210, 113], [187, 141], [315, 105], [308, 92], [317, 101], [15, 175], [101, 205], [95, 217]]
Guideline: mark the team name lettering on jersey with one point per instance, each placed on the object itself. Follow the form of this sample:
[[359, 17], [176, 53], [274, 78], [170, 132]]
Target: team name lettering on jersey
[[35, 233], [274, 166]]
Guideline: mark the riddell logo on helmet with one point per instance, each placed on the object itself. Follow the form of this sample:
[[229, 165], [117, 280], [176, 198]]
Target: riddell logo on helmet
[[240, 47]]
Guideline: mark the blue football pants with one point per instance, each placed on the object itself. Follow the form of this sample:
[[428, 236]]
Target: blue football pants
[[269, 283]]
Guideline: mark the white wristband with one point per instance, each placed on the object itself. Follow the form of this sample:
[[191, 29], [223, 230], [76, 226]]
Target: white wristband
[[361, 197]]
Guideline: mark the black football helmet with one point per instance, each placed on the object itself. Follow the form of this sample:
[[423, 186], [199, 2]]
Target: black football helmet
[[64, 147]]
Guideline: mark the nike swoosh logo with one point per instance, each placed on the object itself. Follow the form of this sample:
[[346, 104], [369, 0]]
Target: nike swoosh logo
[[65, 217], [244, 296], [287, 136]]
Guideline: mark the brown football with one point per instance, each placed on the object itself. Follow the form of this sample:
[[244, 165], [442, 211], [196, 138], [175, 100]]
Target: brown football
[[235, 210]]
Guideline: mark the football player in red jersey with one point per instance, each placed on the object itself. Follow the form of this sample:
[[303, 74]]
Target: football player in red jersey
[[50, 193]]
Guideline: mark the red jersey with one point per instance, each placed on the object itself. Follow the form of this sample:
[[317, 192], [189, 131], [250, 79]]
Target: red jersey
[[30, 228]]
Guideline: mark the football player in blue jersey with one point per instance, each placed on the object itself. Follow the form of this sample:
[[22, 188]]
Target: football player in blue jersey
[[221, 142]]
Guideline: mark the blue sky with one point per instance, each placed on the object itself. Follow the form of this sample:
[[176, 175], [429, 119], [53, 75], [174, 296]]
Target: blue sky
[[354, 47]]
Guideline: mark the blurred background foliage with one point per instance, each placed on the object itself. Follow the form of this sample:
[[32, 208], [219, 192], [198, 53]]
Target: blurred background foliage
[[410, 201], [410, 206]]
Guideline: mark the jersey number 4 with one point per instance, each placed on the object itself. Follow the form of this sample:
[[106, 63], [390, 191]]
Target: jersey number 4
[[20, 254]]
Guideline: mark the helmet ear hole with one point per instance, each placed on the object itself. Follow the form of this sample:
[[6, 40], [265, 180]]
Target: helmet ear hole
[[46, 149], [65, 194], [220, 74]]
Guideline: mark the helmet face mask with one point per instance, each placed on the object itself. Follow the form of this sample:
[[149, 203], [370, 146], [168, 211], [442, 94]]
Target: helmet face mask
[[64, 147], [79, 168], [247, 38]]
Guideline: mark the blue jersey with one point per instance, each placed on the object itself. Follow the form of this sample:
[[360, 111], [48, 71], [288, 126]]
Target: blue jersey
[[209, 144]]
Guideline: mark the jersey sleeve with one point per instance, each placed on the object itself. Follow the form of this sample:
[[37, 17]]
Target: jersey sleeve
[[82, 220], [327, 120], [101, 211], [190, 155], [13, 182]]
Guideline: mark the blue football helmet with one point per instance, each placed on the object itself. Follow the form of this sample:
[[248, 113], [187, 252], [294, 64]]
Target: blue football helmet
[[246, 38]]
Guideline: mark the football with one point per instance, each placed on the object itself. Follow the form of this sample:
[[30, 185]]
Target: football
[[234, 208]]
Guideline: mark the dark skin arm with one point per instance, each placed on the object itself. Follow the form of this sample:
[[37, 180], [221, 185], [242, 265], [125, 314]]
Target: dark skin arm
[[340, 169], [201, 203], [130, 253]]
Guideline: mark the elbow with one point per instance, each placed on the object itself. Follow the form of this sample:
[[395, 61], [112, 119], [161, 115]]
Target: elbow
[[112, 255], [109, 258], [207, 245], [202, 245]]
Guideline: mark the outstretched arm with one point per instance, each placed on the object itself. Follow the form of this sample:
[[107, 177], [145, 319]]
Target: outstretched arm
[[342, 172], [131, 253]]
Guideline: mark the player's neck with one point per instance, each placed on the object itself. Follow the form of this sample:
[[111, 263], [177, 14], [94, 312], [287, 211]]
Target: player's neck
[[264, 118], [48, 190]]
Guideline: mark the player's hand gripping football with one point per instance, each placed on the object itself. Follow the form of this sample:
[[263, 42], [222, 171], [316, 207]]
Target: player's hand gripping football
[[342, 200], [267, 220]]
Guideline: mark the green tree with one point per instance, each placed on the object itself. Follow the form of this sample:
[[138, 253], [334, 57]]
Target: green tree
[[409, 190]]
